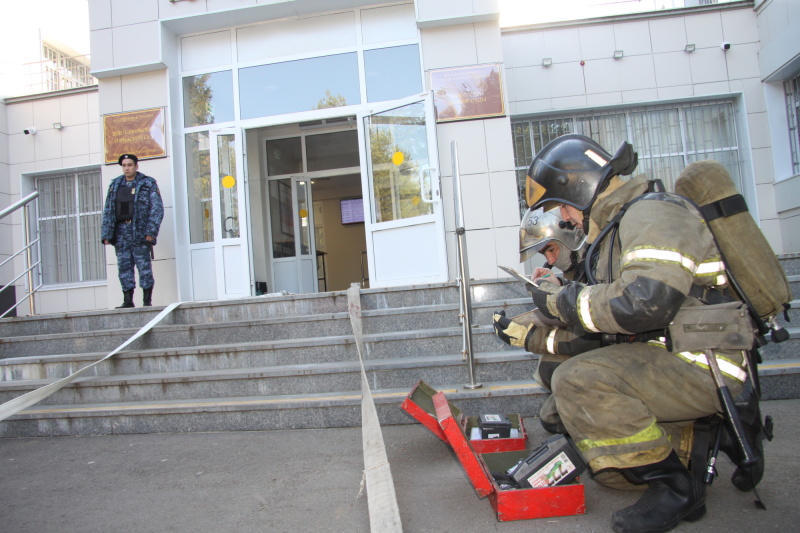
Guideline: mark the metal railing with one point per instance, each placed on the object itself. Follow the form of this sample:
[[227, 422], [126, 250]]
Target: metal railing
[[465, 301], [26, 249]]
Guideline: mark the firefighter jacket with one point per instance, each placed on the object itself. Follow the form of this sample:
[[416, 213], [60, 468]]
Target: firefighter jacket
[[663, 248], [148, 211]]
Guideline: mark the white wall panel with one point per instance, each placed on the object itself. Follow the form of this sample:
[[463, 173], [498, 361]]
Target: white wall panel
[[667, 34], [708, 65], [505, 202], [137, 44], [602, 76], [47, 144], [295, 37], [533, 83], [448, 46], [20, 149], [597, 42], [74, 140], [743, 60], [672, 68], [482, 254], [99, 14], [738, 26], [391, 23], [476, 198], [126, 12], [506, 241], [499, 144], [75, 109], [563, 45], [20, 116], [565, 79], [206, 51], [524, 49], [45, 112], [141, 91], [636, 72], [633, 38], [704, 30]]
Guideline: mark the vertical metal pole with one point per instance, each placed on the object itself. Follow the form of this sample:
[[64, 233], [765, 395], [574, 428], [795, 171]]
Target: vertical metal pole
[[463, 271], [28, 258]]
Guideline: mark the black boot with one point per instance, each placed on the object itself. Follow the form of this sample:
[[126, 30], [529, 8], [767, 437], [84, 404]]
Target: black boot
[[128, 300], [673, 495], [147, 297]]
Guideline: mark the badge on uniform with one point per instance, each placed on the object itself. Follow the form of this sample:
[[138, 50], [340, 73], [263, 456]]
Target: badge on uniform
[[133, 190]]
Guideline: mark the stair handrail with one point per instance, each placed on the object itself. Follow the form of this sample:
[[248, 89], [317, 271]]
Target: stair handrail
[[465, 299], [23, 204]]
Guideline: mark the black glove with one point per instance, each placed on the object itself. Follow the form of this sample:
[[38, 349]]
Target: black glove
[[509, 331], [540, 295]]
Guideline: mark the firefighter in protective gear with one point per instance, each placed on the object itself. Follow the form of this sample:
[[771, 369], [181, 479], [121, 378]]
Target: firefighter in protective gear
[[629, 405], [562, 245]]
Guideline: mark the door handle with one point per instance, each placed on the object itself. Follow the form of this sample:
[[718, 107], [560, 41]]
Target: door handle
[[433, 196]]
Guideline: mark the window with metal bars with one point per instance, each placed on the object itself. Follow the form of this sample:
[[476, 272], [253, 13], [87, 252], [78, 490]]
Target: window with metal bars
[[792, 87], [70, 218], [666, 137]]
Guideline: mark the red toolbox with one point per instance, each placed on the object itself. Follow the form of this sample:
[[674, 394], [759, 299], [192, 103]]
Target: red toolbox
[[419, 404], [511, 504]]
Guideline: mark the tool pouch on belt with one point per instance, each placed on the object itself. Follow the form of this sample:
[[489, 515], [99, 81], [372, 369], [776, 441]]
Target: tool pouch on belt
[[725, 326]]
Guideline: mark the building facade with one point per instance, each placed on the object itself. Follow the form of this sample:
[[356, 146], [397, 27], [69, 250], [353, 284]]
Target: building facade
[[309, 144]]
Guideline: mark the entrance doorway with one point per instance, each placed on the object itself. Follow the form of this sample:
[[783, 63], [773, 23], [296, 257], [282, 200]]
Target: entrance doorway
[[306, 207]]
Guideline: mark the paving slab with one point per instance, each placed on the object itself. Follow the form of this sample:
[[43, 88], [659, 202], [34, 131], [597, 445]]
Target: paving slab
[[309, 480]]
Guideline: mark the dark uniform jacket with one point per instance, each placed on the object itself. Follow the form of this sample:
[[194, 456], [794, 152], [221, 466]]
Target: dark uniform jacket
[[148, 209]]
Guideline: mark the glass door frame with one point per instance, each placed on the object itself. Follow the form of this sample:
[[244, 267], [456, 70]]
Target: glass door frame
[[231, 254], [435, 219]]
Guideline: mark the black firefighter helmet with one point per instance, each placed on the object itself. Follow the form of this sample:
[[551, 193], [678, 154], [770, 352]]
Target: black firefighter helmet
[[573, 169]]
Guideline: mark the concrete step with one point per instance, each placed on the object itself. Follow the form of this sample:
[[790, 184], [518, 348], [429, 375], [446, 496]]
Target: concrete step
[[298, 411], [274, 380], [779, 380], [259, 308], [171, 334]]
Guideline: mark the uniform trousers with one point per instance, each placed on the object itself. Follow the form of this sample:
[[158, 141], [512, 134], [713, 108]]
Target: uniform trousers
[[624, 405], [130, 254]]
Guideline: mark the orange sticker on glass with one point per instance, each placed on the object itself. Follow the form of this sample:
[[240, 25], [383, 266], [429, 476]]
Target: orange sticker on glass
[[228, 182], [303, 213], [415, 200], [398, 158]]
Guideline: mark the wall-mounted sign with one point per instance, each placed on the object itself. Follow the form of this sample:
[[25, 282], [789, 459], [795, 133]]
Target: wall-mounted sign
[[464, 93], [135, 132]]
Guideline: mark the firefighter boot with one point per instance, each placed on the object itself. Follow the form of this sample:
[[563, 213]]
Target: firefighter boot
[[147, 297], [128, 299], [673, 495]]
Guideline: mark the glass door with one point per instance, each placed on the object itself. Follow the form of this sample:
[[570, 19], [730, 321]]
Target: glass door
[[294, 264], [405, 227], [230, 248]]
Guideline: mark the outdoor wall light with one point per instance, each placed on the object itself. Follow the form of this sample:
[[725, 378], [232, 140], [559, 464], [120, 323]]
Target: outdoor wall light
[[57, 126], [618, 54], [546, 62], [689, 48]]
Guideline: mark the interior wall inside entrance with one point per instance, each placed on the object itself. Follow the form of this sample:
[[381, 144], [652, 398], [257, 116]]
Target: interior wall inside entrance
[[342, 247]]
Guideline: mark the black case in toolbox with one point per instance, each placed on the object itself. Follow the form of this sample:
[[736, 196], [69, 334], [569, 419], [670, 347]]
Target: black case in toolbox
[[494, 426], [555, 462]]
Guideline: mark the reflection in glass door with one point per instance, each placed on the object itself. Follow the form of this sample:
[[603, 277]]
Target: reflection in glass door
[[291, 224]]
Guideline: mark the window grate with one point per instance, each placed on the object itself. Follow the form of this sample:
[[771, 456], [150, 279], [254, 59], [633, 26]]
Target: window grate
[[792, 87], [666, 137], [70, 221]]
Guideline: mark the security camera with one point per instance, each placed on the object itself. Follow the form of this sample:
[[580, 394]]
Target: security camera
[[29, 131], [725, 46]]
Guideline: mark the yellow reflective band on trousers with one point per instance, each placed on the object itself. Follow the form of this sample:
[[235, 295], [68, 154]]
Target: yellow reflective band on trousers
[[726, 366], [651, 433]]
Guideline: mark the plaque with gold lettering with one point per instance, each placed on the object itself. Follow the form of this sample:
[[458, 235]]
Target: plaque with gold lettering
[[135, 132], [464, 93]]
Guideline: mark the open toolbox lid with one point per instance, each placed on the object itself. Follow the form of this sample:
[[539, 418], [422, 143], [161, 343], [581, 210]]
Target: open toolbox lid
[[455, 436], [419, 404]]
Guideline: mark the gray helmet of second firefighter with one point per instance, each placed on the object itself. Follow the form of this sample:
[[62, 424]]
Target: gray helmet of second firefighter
[[573, 169], [539, 227]]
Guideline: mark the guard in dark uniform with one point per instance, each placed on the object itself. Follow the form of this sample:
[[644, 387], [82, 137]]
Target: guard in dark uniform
[[131, 220]]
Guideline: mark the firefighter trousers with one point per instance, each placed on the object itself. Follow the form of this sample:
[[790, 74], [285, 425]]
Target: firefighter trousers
[[624, 404]]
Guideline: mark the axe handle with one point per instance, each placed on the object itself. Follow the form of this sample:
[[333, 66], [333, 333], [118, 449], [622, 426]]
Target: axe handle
[[731, 413]]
